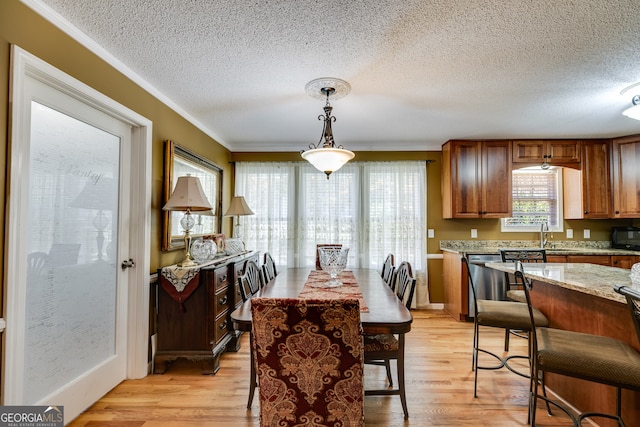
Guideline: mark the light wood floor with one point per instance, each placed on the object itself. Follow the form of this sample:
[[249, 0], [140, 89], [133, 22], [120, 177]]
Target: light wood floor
[[439, 388]]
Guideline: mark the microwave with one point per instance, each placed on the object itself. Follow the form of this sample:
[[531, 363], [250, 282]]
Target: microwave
[[626, 238]]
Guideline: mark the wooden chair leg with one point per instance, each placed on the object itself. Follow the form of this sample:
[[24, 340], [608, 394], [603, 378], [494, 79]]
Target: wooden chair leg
[[387, 365], [252, 379], [400, 363]]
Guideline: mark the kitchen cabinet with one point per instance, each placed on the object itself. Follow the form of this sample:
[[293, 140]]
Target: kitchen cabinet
[[625, 161], [197, 326], [456, 287], [476, 179], [555, 152], [587, 191], [624, 261]]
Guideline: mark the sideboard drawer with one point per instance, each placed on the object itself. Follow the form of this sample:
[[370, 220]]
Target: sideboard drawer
[[221, 302], [222, 327], [221, 278]]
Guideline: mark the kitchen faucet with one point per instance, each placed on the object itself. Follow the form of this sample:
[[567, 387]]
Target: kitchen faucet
[[544, 227]]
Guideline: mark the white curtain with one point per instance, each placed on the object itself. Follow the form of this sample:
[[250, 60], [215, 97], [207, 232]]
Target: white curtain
[[374, 208]]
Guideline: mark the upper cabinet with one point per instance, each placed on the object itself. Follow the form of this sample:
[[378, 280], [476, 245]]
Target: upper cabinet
[[587, 191], [554, 152], [476, 179], [625, 168]]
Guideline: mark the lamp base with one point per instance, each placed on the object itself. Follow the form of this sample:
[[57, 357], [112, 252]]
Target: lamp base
[[187, 262]]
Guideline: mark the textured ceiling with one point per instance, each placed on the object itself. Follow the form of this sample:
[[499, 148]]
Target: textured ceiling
[[421, 71]]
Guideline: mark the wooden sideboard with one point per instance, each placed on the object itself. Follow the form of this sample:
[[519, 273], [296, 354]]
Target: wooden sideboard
[[197, 327]]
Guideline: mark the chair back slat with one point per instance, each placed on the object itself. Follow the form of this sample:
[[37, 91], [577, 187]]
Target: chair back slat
[[269, 268], [388, 268], [472, 286], [405, 283]]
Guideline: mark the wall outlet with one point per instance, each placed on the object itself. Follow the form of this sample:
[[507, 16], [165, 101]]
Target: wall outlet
[[587, 233], [430, 233], [474, 233], [569, 233]]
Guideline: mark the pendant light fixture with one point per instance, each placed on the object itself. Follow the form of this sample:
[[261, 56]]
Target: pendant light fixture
[[632, 112], [326, 156]]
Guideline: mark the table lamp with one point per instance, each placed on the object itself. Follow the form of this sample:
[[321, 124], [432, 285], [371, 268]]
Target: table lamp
[[187, 196], [238, 208]]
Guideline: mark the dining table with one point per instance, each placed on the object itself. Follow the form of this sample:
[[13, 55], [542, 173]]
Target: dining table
[[383, 312]]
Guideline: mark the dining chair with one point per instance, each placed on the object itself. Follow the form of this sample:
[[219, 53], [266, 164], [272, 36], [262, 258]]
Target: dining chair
[[269, 270], [324, 245], [584, 356], [382, 348], [388, 268], [309, 359], [508, 315], [250, 283], [512, 291]]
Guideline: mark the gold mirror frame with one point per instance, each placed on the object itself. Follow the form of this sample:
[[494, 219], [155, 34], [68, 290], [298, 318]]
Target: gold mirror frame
[[173, 153]]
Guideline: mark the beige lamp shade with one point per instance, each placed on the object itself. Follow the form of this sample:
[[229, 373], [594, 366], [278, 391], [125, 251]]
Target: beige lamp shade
[[188, 196], [238, 207]]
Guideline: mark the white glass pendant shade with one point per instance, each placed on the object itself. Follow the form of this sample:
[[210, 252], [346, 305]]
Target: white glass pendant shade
[[328, 160]]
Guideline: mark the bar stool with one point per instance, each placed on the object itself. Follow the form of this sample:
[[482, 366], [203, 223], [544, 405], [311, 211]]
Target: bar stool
[[506, 315], [588, 357]]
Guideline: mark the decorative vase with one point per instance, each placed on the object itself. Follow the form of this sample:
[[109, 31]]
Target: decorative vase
[[333, 260], [203, 250]]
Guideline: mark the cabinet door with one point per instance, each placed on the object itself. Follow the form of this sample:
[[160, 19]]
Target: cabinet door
[[496, 179], [563, 152], [626, 177], [587, 192], [465, 179], [532, 151]]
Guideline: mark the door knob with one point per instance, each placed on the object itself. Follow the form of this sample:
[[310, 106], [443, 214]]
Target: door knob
[[127, 263]]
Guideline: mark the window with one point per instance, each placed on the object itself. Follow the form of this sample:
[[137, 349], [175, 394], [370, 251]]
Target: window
[[537, 198], [374, 208]]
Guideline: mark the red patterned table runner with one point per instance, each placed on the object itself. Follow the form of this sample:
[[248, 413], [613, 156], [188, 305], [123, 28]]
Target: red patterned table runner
[[180, 283], [350, 289]]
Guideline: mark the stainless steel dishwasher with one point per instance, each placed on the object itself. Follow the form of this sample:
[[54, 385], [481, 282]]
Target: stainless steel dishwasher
[[490, 284]]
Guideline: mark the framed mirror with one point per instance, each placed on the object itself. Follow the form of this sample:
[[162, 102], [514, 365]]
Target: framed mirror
[[179, 161]]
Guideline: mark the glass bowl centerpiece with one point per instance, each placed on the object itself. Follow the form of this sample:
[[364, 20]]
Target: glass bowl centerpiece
[[333, 260]]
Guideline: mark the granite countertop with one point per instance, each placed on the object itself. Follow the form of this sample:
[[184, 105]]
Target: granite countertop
[[592, 279], [565, 247]]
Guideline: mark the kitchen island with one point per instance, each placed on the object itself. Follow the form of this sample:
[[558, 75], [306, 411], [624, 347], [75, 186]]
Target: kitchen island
[[581, 297]]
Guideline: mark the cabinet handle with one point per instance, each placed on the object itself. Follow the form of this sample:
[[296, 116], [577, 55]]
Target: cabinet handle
[[223, 300], [223, 325], [617, 212], [223, 278], [586, 212]]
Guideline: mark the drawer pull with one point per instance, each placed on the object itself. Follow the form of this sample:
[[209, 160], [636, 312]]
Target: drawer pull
[[223, 325], [223, 300], [223, 278]]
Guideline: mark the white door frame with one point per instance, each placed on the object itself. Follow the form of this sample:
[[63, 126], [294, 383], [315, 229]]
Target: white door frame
[[25, 64]]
